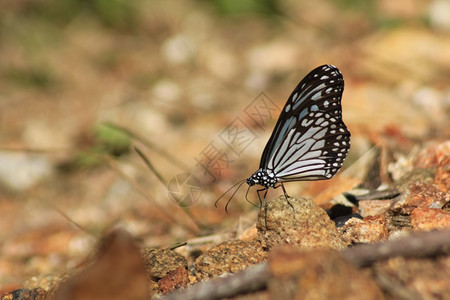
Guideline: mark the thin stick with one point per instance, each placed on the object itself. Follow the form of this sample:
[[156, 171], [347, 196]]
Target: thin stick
[[415, 245], [193, 228], [150, 165], [66, 216], [163, 182], [252, 279]]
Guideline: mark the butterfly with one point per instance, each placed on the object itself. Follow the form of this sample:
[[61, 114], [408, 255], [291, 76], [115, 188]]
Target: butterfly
[[310, 140]]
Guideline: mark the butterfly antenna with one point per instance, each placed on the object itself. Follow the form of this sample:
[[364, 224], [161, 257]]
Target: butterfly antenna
[[228, 202], [226, 192], [246, 198]]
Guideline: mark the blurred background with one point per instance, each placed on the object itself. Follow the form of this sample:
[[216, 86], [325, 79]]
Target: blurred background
[[197, 87]]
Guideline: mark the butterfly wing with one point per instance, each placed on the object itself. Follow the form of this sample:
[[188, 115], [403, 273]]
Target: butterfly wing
[[310, 141]]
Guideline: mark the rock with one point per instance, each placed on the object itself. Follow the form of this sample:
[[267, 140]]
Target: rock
[[425, 175], [47, 282], [173, 280], [159, 262], [317, 274], [429, 219], [419, 195], [438, 13], [432, 155], [228, 257], [304, 224], [26, 294], [369, 230], [442, 176], [249, 234], [340, 221], [21, 171], [373, 207], [398, 223], [432, 101], [178, 49]]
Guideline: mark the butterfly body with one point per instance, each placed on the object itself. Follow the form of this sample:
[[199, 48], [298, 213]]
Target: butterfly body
[[264, 178]]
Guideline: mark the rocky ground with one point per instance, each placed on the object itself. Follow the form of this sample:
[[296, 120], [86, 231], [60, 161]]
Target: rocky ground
[[304, 249]]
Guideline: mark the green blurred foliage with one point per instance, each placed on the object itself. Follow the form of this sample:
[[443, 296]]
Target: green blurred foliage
[[105, 140], [112, 141], [28, 42], [117, 14], [235, 8], [34, 77], [367, 6], [370, 10], [36, 28]]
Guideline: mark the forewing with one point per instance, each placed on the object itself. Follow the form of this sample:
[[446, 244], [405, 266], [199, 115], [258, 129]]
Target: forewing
[[310, 140]]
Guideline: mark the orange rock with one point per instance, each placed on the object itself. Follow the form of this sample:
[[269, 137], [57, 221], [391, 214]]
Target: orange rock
[[429, 219], [419, 195], [373, 207], [249, 234], [173, 280], [369, 230], [432, 155], [442, 176]]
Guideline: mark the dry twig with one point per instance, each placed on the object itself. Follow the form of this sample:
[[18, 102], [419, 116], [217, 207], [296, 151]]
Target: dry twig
[[251, 279], [415, 245]]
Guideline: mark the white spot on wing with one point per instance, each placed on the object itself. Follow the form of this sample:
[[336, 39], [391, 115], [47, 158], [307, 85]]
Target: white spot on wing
[[319, 120], [318, 145], [306, 122], [287, 108], [316, 95]]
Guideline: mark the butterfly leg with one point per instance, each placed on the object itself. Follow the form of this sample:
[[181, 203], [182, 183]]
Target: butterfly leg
[[265, 203], [286, 196], [259, 196]]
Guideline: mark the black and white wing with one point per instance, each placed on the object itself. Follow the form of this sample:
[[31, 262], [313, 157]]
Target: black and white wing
[[310, 141]]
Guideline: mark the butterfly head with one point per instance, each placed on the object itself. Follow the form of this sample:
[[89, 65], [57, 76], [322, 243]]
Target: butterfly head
[[263, 178]]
